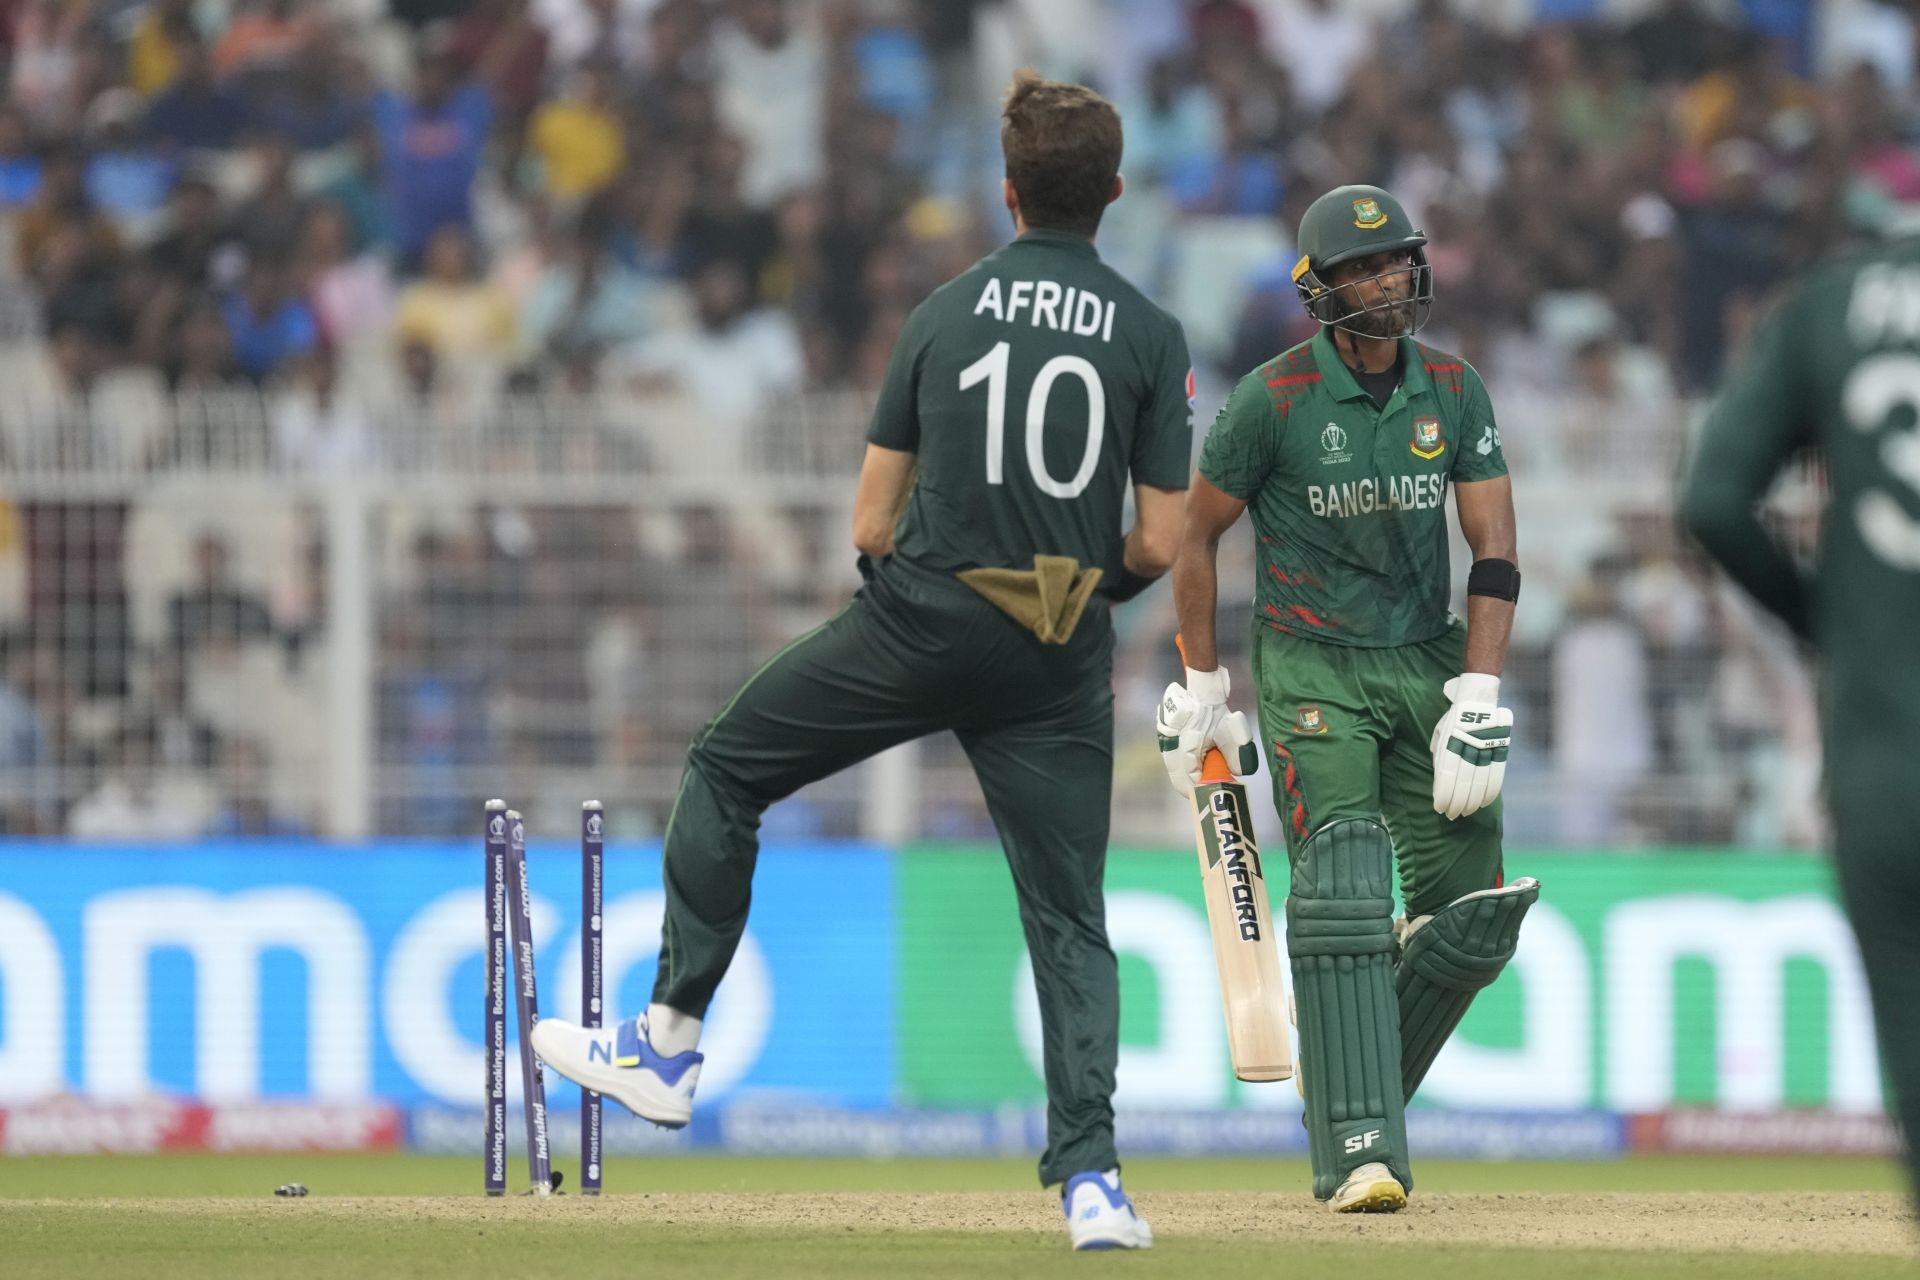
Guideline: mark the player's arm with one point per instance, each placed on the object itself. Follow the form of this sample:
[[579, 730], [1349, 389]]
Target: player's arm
[[886, 481], [1754, 427], [1235, 460], [1162, 448], [1471, 741], [893, 444], [1154, 538], [1196, 569], [1487, 523]]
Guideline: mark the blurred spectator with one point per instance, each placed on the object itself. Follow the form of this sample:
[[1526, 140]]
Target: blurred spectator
[[1745, 95], [1238, 179], [215, 609], [721, 225], [316, 102], [351, 292], [264, 37], [270, 219], [19, 163], [431, 143], [1676, 42], [577, 138], [267, 321], [1733, 253], [249, 812], [1602, 743], [1175, 120], [732, 366], [453, 311], [194, 111], [182, 739], [135, 800], [203, 358], [154, 54], [581, 29], [499, 43], [197, 250], [770, 65], [317, 426], [62, 209], [47, 61], [28, 754], [126, 179], [1320, 44], [587, 301], [359, 191]]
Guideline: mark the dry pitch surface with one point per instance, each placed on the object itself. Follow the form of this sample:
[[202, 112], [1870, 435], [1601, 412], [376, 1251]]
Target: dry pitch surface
[[1485, 1235]]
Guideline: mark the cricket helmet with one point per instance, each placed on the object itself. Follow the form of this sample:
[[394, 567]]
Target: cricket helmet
[[1358, 222]]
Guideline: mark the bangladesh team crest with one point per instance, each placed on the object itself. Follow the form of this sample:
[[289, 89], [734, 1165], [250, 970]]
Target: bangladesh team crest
[[1368, 215], [1426, 438], [1307, 720]]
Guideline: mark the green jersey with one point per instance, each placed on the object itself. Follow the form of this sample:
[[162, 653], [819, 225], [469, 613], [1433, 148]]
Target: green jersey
[[1835, 368], [1349, 500], [1028, 387]]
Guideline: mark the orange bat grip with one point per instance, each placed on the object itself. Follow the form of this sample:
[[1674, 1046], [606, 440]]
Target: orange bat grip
[[1213, 766]]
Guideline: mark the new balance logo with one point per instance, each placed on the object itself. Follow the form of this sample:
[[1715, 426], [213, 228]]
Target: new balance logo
[[1360, 1141], [599, 1051]]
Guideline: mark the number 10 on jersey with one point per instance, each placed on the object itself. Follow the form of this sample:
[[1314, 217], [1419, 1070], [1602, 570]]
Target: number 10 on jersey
[[992, 369]]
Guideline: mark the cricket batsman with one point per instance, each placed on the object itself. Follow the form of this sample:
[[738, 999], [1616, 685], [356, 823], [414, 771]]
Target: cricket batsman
[[1379, 712], [1021, 398], [1835, 369]]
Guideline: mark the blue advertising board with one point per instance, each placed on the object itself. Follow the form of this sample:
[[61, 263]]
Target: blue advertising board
[[295, 969]]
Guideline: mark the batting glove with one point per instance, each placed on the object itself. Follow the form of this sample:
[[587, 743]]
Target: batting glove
[[1194, 717], [1470, 746]]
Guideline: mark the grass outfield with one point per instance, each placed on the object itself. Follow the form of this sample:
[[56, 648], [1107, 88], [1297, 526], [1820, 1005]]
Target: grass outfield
[[385, 1215]]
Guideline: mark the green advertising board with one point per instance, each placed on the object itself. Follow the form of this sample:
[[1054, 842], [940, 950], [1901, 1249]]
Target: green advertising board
[[1642, 983]]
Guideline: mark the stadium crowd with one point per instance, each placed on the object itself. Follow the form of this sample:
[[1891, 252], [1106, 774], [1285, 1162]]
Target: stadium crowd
[[670, 238]]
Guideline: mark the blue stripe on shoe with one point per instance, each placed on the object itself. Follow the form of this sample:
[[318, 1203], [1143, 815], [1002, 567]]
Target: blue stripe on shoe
[[1115, 1196], [631, 1049]]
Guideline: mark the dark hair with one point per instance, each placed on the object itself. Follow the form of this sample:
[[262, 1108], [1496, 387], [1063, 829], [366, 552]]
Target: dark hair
[[1062, 144]]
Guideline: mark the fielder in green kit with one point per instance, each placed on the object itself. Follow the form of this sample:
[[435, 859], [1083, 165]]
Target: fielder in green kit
[[1836, 370], [1022, 397], [1379, 711]]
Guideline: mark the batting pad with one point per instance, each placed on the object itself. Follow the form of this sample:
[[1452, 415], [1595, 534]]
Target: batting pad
[[1460, 950], [1340, 940]]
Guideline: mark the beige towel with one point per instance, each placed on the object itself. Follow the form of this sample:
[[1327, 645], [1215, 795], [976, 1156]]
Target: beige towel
[[1047, 599]]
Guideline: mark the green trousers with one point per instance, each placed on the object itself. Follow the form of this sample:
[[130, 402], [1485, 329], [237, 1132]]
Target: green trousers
[[916, 653], [1877, 857], [1347, 733]]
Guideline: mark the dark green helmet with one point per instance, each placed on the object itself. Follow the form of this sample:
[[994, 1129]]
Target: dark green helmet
[[1358, 222]]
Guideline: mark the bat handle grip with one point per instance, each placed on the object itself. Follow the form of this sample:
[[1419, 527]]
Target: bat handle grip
[[1213, 767]]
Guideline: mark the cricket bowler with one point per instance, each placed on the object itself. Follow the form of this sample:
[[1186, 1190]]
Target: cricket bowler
[[1379, 712], [1021, 397], [1835, 370]]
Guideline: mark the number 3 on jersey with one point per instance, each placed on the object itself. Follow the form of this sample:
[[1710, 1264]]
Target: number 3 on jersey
[[992, 369]]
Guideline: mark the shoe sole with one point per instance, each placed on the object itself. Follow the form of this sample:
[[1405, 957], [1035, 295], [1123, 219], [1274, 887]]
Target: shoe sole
[[620, 1084], [1378, 1197]]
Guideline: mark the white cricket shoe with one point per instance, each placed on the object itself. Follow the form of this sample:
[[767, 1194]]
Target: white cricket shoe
[[1371, 1188], [622, 1064], [1099, 1215]]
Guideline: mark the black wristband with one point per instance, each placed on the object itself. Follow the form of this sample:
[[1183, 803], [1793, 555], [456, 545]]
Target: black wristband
[[1497, 578], [1130, 585]]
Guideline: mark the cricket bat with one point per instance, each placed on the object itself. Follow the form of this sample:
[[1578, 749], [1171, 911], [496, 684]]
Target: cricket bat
[[1253, 987]]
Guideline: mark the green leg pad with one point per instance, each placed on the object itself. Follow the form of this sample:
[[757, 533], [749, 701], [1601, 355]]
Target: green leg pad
[[1340, 941], [1459, 950]]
